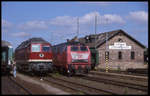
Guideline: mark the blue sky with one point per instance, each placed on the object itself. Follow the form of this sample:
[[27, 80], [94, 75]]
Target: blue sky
[[57, 21]]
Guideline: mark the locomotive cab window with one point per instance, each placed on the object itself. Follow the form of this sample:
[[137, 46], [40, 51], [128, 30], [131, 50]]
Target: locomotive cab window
[[35, 48], [74, 48], [83, 48], [46, 48]]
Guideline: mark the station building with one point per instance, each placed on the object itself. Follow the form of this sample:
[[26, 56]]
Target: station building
[[122, 50]]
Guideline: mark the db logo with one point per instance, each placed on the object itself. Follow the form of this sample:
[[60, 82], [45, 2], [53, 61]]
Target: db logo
[[79, 56], [41, 55]]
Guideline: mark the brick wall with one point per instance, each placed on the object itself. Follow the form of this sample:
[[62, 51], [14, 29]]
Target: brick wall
[[126, 61]]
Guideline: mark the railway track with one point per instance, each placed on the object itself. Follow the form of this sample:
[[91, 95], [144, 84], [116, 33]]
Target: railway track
[[117, 82], [121, 76], [135, 72], [28, 92], [76, 86]]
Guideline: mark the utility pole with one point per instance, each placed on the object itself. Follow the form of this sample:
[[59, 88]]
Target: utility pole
[[52, 37], [77, 26], [95, 40], [95, 29]]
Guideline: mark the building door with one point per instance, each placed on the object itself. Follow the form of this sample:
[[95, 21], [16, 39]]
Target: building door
[[94, 58]]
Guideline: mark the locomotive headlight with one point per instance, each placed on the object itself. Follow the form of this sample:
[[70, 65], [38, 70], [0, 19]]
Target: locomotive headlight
[[86, 60], [73, 60]]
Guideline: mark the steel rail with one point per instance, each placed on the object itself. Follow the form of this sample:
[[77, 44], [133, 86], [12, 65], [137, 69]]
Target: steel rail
[[25, 89], [70, 87], [123, 76], [86, 86], [116, 82]]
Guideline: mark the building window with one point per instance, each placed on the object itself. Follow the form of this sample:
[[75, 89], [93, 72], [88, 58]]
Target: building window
[[106, 55], [119, 55], [132, 55], [120, 40]]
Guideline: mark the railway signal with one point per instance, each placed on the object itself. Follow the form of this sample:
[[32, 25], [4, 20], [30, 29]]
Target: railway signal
[[106, 53], [107, 60]]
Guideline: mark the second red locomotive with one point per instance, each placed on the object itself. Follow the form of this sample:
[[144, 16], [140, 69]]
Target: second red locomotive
[[34, 55], [71, 58]]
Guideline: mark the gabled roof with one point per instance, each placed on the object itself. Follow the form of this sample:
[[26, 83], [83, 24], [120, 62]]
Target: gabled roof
[[5, 43], [101, 38], [31, 40]]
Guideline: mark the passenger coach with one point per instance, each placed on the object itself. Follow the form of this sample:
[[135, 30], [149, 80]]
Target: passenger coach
[[7, 57]]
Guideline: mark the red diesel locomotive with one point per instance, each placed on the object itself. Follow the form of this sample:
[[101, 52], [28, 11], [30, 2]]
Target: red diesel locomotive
[[34, 55], [71, 58]]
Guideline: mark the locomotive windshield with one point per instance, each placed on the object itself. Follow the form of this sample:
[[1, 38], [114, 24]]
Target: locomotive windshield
[[83, 48], [35, 48], [74, 48], [46, 48]]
